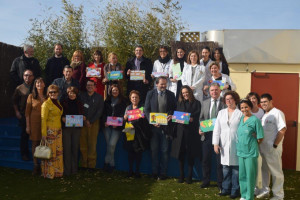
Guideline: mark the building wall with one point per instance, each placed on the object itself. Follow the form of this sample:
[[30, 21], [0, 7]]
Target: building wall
[[241, 76]]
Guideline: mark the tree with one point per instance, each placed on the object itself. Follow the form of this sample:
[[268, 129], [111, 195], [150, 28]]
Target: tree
[[67, 29]]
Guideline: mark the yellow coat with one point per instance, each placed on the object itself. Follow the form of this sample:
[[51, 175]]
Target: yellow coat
[[51, 116]]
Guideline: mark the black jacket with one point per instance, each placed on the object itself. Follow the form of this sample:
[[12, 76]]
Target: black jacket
[[22, 63], [187, 135], [146, 65], [54, 68]]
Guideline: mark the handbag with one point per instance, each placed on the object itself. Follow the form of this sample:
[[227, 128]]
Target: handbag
[[42, 151]]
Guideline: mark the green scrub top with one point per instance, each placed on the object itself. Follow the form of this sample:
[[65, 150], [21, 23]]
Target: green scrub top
[[247, 145]]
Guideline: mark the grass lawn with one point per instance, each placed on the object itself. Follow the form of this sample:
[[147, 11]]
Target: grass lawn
[[21, 185]]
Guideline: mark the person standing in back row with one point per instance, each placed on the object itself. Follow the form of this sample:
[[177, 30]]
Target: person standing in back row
[[55, 64], [274, 126]]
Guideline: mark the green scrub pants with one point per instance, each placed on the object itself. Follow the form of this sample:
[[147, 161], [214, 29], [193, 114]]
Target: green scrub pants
[[247, 176]]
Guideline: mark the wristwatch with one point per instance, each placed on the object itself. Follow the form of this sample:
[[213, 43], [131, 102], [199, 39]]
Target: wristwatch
[[275, 146]]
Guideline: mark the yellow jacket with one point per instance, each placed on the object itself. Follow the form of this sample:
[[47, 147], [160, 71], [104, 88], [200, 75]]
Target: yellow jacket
[[51, 116]]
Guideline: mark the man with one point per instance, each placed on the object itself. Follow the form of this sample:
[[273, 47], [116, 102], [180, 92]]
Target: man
[[139, 62], [210, 109], [274, 126], [26, 61], [55, 65], [65, 82], [205, 61], [160, 100], [93, 107], [19, 103]]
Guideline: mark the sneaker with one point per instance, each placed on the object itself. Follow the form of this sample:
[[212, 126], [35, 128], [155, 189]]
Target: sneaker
[[242, 198], [263, 195], [276, 198], [257, 191]]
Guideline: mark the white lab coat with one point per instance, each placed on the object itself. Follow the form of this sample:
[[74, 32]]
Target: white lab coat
[[173, 86], [226, 79], [160, 67], [207, 70], [197, 81], [225, 135]]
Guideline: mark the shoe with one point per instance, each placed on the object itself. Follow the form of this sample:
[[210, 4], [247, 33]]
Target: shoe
[[224, 193], [263, 195], [205, 185], [276, 198], [137, 175], [242, 198], [25, 158], [162, 177], [257, 191], [189, 181], [234, 196], [180, 180]]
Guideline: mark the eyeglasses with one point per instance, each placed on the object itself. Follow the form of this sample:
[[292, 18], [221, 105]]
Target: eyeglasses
[[28, 75], [52, 92]]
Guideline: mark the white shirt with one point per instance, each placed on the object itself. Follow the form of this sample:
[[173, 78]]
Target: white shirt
[[272, 122], [259, 114]]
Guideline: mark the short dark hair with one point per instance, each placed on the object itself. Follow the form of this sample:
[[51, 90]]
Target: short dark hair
[[139, 46], [246, 101], [159, 78], [58, 44], [90, 80], [28, 70], [207, 48], [266, 95], [164, 47], [234, 95], [68, 67], [250, 94], [134, 92]]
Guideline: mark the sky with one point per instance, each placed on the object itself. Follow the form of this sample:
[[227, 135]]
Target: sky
[[197, 15]]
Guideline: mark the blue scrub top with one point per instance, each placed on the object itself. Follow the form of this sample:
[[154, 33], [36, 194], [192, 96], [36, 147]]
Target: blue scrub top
[[248, 133]]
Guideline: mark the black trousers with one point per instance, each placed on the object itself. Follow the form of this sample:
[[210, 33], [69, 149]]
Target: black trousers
[[24, 137], [207, 152]]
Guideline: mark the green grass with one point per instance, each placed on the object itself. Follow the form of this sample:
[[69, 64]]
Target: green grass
[[21, 185]]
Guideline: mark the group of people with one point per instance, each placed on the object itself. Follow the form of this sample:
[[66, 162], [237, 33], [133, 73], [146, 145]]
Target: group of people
[[201, 87]]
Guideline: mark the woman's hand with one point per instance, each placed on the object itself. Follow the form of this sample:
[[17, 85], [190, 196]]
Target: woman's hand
[[226, 86], [205, 87], [217, 149], [173, 80], [128, 72], [125, 117], [44, 138], [191, 119], [200, 132], [64, 119], [105, 80], [106, 125], [28, 130]]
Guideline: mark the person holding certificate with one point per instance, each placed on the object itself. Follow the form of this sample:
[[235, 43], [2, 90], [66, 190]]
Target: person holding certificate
[[187, 140], [175, 71], [139, 63], [71, 135], [210, 110], [114, 106], [224, 141]]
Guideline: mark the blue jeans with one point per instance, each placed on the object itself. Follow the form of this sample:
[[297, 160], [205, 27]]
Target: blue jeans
[[230, 182], [111, 136], [159, 142]]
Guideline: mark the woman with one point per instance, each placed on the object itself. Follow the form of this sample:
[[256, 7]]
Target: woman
[[177, 62], [205, 61], [114, 106], [218, 76], [141, 138], [79, 69], [33, 117], [162, 64], [113, 65], [187, 141], [224, 141], [255, 99], [250, 134], [71, 135], [98, 64], [193, 75], [221, 60], [52, 134]]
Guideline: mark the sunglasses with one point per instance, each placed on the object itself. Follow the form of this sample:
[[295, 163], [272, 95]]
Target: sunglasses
[[52, 92]]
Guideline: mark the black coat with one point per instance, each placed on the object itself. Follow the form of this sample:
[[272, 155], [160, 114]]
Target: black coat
[[225, 69], [117, 111], [54, 68], [142, 135], [146, 65], [188, 133]]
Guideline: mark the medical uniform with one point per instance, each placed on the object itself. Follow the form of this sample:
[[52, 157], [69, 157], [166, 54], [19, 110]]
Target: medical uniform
[[247, 151], [272, 123]]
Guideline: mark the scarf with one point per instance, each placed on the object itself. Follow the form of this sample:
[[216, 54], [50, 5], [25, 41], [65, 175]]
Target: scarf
[[164, 60]]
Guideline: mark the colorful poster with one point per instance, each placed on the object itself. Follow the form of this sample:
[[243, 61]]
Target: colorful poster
[[93, 72], [176, 71], [135, 114], [115, 75], [114, 121], [158, 74], [207, 125], [74, 120], [158, 118], [181, 117], [220, 82], [137, 75]]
